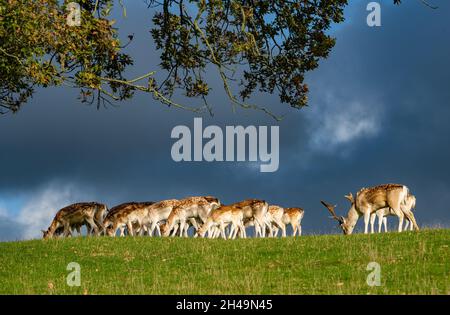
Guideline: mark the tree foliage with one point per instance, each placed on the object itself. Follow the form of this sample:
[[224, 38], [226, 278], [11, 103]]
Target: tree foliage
[[254, 45], [276, 42], [39, 49]]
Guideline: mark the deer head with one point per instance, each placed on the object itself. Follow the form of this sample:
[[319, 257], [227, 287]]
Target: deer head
[[346, 226], [46, 234], [164, 228]]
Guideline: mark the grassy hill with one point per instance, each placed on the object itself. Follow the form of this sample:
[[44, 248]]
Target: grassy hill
[[327, 264]]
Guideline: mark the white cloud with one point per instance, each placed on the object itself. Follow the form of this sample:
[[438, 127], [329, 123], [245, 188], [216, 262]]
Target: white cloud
[[39, 210], [3, 211], [338, 123]]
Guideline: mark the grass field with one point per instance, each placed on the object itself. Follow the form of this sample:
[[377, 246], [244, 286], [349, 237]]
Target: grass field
[[411, 263]]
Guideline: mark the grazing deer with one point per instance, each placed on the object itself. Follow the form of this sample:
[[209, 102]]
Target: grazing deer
[[382, 214], [410, 205], [76, 215], [255, 213], [159, 212], [292, 216], [187, 209], [100, 211], [370, 200], [130, 215], [221, 218], [275, 217], [110, 218]]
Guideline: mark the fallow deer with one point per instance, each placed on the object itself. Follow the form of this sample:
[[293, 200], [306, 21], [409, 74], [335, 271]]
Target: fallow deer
[[255, 212], [188, 208], [76, 215], [221, 218], [382, 214], [159, 212], [131, 215], [370, 200], [275, 217], [292, 216]]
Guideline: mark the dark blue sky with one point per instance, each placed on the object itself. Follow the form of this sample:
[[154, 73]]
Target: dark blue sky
[[379, 112]]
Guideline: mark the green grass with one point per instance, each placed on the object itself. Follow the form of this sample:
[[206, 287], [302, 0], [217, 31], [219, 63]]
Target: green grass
[[411, 263]]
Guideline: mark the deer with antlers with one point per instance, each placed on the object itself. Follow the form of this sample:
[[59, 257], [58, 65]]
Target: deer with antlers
[[370, 200]]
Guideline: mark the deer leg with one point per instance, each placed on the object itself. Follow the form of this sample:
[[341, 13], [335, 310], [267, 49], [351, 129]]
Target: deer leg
[[212, 232], [380, 221], [174, 229], [183, 228], [93, 226], [146, 229], [373, 216], [412, 220], [406, 225], [230, 229], [268, 229], [233, 230], [283, 230], [262, 226], [89, 230], [242, 230], [222, 231], [366, 222], [294, 228], [256, 226], [400, 222], [182, 225], [282, 226], [101, 227], [66, 229], [239, 231], [130, 228], [154, 227], [158, 229], [186, 229], [275, 230]]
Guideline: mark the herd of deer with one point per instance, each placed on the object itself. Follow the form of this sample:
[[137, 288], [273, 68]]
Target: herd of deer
[[211, 219]]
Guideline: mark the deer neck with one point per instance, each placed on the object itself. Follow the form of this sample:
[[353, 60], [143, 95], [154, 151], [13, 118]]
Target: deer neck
[[51, 230], [352, 216]]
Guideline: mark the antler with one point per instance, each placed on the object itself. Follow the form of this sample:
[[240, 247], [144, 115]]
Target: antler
[[350, 197], [331, 209]]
